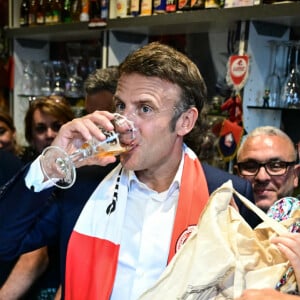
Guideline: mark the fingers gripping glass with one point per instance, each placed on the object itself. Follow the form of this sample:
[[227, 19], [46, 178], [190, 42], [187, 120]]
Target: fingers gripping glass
[[273, 168], [60, 167]]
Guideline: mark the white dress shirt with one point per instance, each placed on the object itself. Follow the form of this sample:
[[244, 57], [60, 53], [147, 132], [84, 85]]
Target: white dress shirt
[[146, 234]]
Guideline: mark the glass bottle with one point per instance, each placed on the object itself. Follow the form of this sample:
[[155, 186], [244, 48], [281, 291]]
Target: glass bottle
[[66, 14], [159, 6], [48, 12], [56, 11], [84, 16], [135, 7], [40, 13], [122, 8], [184, 5], [146, 7], [95, 11], [197, 4], [32, 12], [24, 13], [104, 10], [171, 6], [76, 8]]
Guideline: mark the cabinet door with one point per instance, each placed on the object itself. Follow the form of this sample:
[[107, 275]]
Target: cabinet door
[[121, 44], [24, 50], [260, 63]]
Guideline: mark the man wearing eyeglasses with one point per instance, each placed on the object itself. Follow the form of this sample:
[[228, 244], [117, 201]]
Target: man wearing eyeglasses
[[268, 158]]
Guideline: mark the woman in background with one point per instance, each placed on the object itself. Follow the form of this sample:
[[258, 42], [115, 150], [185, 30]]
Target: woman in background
[[43, 120]]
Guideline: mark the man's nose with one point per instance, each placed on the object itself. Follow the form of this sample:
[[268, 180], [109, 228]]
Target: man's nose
[[262, 174]]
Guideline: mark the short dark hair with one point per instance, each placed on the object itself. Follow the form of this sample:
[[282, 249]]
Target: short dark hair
[[102, 79], [159, 60]]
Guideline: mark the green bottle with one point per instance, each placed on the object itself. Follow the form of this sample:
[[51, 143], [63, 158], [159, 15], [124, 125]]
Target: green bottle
[[66, 15]]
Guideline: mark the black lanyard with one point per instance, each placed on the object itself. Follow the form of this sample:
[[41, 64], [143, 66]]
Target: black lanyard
[[112, 206]]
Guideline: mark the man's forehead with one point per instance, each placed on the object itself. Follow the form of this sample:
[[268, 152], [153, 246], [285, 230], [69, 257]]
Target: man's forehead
[[267, 147]]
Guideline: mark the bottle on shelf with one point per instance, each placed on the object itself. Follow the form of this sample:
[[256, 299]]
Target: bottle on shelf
[[66, 12], [95, 14], [104, 10], [32, 12], [40, 13], [24, 13], [84, 15], [184, 5], [76, 9], [135, 7], [214, 3], [171, 6], [146, 7], [56, 11], [48, 12], [159, 6], [122, 8], [197, 4]]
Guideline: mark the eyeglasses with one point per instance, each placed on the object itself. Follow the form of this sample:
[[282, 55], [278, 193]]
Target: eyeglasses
[[42, 128], [273, 168], [143, 110]]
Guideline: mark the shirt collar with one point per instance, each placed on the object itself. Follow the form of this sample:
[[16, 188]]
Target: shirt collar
[[134, 181]]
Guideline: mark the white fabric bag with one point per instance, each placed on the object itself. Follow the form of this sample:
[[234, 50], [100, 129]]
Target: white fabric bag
[[224, 255]]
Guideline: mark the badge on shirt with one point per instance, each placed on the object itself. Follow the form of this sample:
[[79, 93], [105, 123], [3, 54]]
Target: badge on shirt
[[184, 236]]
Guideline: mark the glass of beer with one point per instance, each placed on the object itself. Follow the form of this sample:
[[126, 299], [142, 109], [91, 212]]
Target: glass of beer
[[60, 167]]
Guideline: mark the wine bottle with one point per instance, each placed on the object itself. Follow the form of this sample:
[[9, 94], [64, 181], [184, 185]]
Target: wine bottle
[[159, 6], [104, 10], [171, 6], [146, 7], [48, 12], [56, 11], [76, 9], [66, 13], [95, 12], [24, 13], [84, 15], [32, 12], [184, 5], [135, 7], [40, 13]]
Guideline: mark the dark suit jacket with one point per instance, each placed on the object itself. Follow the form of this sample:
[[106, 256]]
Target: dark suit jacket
[[55, 211], [9, 165]]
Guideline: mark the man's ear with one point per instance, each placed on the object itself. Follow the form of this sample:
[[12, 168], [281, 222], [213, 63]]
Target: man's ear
[[186, 121], [297, 175]]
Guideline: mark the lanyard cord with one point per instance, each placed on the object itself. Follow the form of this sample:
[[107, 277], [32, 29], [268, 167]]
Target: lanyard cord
[[112, 206]]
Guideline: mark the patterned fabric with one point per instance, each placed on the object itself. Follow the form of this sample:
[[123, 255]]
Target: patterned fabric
[[283, 209]]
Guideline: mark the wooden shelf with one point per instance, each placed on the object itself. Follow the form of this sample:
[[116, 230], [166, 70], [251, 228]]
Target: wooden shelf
[[209, 20], [286, 14], [57, 32]]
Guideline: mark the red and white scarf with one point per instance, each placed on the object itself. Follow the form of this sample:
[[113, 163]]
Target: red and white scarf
[[93, 248]]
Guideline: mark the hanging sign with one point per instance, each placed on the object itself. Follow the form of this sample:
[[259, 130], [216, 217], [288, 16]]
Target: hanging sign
[[237, 71]]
